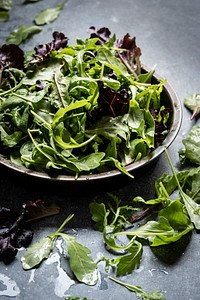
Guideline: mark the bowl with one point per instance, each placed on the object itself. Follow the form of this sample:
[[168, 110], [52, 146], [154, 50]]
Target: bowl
[[169, 97]]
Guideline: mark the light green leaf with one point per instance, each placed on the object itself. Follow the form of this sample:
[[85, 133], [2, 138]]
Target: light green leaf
[[37, 252], [49, 15], [192, 102], [21, 34], [192, 146]]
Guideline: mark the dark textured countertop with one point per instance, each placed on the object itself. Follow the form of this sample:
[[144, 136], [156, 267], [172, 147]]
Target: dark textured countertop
[[169, 36]]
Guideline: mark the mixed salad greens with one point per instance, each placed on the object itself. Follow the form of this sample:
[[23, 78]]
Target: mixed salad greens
[[76, 109]]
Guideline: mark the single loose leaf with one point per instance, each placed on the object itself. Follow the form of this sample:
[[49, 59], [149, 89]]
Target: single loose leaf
[[192, 102], [48, 15], [155, 295], [21, 34], [82, 265], [98, 211], [129, 262], [192, 146], [37, 252]]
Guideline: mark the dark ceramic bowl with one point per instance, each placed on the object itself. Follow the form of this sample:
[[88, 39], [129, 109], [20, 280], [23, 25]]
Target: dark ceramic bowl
[[169, 99]]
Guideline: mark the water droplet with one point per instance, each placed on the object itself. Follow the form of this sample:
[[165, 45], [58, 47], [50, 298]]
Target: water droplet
[[158, 270], [62, 282], [11, 288], [31, 279]]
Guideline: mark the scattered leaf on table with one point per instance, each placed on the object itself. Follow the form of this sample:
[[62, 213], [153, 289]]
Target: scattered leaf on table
[[48, 15], [82, 265], [38, 210], [192, 102], [21, 34], [37, 252], [192, 146]]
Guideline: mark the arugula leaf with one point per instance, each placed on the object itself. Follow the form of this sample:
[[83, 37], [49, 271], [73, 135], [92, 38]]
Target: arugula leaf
[[155, 295], [49, 15], [192, 207], [188, 179], [60, 114], [127, 263], [21, 34], [81, 264], [191, 151]]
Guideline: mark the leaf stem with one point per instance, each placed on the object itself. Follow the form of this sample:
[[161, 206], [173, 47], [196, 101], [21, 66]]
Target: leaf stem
[[12, 89], [58, 89], [130, 287], [64, 223]]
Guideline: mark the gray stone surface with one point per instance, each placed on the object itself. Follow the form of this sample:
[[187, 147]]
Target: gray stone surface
[[169, 36]]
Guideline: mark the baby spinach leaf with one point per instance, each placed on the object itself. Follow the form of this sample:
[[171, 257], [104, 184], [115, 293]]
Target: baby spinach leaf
[[155, 295], [21, 34], [82, 265], [105, 57], [49, 15], [192, 102], [37, 252], [191, 151]]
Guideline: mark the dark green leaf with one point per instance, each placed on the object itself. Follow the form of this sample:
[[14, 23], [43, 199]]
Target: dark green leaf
[[82, 265], [4, 16], [127, 263], [98, 211]]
